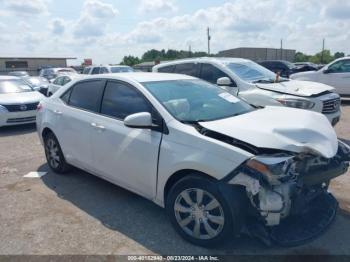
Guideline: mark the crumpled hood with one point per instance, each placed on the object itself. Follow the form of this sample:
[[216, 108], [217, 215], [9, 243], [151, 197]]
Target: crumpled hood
[[296, 87], [20, 98], [282, 128]]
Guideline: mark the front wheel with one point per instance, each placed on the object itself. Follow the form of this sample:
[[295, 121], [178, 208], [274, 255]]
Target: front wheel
[[200, 213]]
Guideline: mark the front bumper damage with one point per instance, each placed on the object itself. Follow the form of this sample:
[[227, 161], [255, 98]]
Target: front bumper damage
[[297, 207]]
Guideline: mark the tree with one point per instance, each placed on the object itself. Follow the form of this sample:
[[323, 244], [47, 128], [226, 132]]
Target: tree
[[130, 60], [338, 55], [320, 58], [301, 57]]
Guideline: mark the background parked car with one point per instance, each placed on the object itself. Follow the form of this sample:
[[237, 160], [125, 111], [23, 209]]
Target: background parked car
[[257, 85], [307, 66], [60, 81], [38, 83], [18, 101], [107, 69], [284, 68], [51, 73], [18, 73], [336, 74]]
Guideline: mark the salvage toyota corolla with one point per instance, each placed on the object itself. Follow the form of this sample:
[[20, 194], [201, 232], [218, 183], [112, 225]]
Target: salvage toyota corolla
[[220, 167]]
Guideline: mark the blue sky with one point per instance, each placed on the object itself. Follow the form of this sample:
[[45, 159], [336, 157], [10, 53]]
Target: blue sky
[[106, 30]]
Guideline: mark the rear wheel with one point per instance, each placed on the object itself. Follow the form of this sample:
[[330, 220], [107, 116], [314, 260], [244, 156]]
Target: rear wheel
[[200, 213], [54, 155]]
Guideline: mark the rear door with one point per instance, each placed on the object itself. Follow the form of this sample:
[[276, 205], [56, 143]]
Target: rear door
[[126, 156], [75, 121]]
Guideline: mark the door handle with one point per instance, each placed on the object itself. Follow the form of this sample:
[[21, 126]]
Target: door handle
[[100, 127]]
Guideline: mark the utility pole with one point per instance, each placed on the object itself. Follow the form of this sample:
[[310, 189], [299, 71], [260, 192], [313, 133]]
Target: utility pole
[[281, 49], [322, 50], [189, 51], [209, 38]]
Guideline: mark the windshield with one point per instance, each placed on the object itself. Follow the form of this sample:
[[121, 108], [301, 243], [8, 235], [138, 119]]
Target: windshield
[[196, 100], [251, 72], [118, 69], [14, 86]]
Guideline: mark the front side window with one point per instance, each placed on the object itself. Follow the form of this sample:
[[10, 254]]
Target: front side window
[[95, 71], [342, 66], [211, 73], [14, 86], [121, 100], [196, 100], [187, 69], [87, 95]]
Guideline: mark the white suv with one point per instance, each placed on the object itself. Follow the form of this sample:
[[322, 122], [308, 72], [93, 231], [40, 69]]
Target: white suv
[[107, 69], [215, 163], [259, 86], [336, 74]]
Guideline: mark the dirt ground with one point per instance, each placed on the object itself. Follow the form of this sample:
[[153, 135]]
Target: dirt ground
[[81, 214]]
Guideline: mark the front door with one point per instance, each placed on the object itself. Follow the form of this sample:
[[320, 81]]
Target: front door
[[126, 156], [338, 76]]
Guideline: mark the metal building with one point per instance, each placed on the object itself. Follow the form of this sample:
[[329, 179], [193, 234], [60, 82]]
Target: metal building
[[30, 64], [259, 54]]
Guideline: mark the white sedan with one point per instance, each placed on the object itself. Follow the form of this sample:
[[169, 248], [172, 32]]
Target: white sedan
[[60, 81], [216, 164], [18, 101], [335, 74]]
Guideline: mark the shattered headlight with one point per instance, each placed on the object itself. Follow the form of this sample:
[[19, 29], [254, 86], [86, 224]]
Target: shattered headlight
[[273, 168], [296, 103]]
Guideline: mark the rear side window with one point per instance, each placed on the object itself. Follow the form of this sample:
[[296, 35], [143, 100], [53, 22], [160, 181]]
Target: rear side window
[[166, 69], [211, 73], [58, 81], [121, 100], [95, 71], [187, 69], [87, 95]]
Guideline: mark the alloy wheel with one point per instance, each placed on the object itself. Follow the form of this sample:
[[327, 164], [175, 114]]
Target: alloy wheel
[[199, 213]]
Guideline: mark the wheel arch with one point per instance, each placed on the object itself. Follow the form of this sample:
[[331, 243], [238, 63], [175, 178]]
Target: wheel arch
[[180, 174]]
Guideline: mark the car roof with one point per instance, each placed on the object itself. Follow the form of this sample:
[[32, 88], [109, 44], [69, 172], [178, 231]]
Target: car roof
[[9, 78], [140, 77], [219, 60]]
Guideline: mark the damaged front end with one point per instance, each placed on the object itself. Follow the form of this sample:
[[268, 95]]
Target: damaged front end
[[288, 194]]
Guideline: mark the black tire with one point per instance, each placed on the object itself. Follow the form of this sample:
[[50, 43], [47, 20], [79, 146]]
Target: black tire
[[56, 162], [230, 211]]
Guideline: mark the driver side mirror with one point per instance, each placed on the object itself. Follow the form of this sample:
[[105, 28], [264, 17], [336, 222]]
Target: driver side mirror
[[225, 81], [327, 71], [139, 120]]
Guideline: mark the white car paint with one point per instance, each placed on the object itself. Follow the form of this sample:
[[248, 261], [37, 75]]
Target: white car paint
[[183, 148], [268, 94], [18, 115], [339, 78], [144, 159]]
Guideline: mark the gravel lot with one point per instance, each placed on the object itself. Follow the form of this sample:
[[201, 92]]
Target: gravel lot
[[81, 214]]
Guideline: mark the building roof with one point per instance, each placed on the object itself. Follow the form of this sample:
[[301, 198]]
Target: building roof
[[256, 48], [32, 57]]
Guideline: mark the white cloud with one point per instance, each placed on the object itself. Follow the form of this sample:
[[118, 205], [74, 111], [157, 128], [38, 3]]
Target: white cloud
[[57, 26], [93, 19], [159, 6], [25, 7]]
